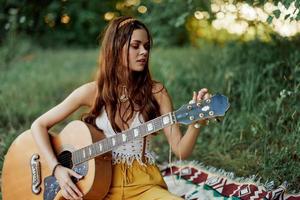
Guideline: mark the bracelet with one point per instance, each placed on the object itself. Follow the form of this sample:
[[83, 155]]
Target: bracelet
[[54, 168]]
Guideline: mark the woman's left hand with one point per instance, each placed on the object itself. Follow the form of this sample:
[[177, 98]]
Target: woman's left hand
[[202, 94]]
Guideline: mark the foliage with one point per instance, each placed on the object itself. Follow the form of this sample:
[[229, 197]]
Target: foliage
[[53, 23], [277, 12], [258, 136], [57, 23], [167, 20], [44, 20]]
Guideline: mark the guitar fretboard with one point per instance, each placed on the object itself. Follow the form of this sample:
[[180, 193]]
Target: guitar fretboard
[[108, 144]]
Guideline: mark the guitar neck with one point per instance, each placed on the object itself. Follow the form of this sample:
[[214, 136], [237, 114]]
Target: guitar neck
[[107, 144]]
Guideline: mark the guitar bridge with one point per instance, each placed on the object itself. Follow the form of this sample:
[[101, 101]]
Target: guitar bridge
[[35, 174]]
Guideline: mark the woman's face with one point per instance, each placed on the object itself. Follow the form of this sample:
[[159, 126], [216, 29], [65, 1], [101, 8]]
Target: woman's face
[[138, 50]]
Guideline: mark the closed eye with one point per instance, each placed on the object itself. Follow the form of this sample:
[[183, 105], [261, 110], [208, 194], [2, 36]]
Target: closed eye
[[135, 46]]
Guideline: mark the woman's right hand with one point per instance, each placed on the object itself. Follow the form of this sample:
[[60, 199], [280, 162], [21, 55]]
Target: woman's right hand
[[68, 189]]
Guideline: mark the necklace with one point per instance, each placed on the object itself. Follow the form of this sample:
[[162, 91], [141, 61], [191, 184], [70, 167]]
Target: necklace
[[124, 95]]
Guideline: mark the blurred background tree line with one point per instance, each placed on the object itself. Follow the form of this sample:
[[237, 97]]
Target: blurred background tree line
[[173, 22], [247, 50]]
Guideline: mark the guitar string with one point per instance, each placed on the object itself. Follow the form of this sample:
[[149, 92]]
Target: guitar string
[[65, 158]]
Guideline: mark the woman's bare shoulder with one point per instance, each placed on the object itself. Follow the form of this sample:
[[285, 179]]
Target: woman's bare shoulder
[[160, 93], [87, 93], [158, 88]]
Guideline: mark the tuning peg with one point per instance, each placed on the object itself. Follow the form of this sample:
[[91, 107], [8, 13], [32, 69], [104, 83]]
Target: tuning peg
[[201, 115]]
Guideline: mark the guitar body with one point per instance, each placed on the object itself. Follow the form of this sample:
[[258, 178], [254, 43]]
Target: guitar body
[[26, 174]]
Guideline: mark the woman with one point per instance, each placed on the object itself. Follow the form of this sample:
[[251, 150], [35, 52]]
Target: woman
[[123, 96]]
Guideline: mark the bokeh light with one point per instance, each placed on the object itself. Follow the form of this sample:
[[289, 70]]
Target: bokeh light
[[65, 19], [142, 9], [109, 16], [245, 19]]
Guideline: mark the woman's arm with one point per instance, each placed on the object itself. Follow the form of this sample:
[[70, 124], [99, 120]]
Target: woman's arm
[[79, 97], [82, 96], [182, 146]]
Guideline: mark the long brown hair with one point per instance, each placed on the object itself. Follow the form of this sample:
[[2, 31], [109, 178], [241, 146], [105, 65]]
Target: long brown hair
[[112, 74]]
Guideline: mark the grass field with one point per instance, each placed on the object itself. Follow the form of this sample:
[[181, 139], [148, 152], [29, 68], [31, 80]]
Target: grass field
[[260, 134]]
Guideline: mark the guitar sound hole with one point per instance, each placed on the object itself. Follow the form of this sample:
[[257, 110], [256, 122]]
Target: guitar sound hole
[[65, 158]]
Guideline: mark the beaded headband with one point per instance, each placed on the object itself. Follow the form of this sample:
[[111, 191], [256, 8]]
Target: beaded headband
[[126, 22]]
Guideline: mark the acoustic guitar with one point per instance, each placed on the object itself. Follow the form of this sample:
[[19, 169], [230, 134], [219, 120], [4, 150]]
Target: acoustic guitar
[[86, 150]]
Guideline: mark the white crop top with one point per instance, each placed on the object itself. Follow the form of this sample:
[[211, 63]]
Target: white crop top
[[129, 151]]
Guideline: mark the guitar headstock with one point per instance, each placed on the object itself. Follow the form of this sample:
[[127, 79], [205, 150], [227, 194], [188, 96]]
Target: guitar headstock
[[212, 108]]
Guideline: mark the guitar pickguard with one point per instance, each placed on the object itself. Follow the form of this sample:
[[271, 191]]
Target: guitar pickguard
[[52, 187]]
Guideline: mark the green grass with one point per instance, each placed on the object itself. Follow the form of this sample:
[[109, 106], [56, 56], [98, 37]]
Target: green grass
[[259, 135]]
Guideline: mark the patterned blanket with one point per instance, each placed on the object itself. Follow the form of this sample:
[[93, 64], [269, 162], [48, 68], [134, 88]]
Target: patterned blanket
[[193, 182]]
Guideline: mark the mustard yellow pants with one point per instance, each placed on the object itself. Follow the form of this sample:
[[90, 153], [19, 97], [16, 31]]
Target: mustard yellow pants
[[138, 182]]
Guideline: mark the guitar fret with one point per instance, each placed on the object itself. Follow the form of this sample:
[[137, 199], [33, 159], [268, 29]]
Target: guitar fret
[[105, 144], [136, 132], [131, 135], [87, 152], [74, 157], [143, 130], [113, 141], [79, 155], [121, 137], [108, 144], [83, 153], [94, 150], [150, 126], [166, 120], [118, 139], [90, 151], [128, 135], [97, 149], [161, 122], [158, 123], [153, 126], [100, 145], [124, 137]]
